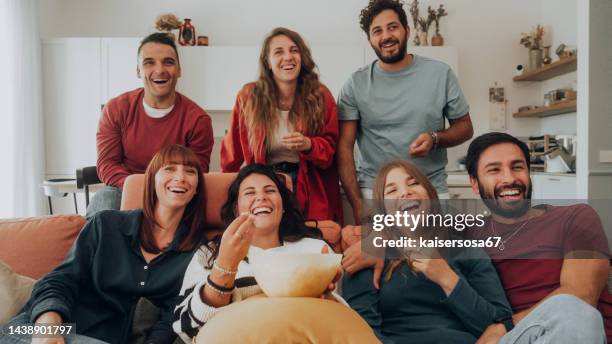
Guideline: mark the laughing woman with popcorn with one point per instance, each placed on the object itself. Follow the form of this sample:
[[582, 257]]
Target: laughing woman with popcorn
[[259, 212]]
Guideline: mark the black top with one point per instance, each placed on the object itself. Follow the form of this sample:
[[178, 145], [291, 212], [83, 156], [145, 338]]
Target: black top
[[104, 275]]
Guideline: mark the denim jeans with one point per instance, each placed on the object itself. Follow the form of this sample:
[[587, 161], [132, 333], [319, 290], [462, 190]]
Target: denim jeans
[[109, 197], [22, 319], [559, 319]]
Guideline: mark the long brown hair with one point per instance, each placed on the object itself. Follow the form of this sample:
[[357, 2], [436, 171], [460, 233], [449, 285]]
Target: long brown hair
[[194, 212], [261, 108], [378, 190]]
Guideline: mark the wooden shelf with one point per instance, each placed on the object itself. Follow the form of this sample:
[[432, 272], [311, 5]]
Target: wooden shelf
[[556, 68], [559, 108]]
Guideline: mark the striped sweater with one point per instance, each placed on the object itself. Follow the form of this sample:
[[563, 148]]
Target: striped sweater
[[192, 312]]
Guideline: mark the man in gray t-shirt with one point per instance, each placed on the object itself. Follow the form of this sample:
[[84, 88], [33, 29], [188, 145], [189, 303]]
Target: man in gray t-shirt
[[396, 107]]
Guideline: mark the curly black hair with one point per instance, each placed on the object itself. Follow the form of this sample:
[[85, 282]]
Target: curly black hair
[[375, 7]]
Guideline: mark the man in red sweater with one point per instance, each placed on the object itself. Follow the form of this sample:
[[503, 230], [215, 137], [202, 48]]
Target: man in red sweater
[[551, 260], [137, 124]]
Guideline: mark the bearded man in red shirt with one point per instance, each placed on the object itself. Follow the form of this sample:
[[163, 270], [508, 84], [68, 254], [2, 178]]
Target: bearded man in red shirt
[[553, 261]]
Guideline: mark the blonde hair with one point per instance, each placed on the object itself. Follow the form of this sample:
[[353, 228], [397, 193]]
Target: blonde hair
[[261, 108]]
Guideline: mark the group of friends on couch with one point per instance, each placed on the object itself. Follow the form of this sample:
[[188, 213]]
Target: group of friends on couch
[[286, 124]]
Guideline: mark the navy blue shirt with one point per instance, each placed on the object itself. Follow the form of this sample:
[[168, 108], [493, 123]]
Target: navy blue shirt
[[104, 275]]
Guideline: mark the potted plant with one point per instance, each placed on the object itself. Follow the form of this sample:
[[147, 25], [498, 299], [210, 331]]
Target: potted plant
[[424, 24], [533, 42], [167, 23], [437, 39], [414, 12]]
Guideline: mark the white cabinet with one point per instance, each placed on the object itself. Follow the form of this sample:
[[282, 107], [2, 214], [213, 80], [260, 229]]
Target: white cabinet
[[336, 64], [459, 186], [71, 103], [544, 186], [212, 76], [461, 192], [553, 187], [119, 58]]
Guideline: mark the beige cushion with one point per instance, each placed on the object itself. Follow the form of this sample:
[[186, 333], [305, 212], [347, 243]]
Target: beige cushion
[[15, 291], [286, 320]]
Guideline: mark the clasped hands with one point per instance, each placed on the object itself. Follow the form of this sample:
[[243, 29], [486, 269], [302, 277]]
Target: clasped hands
[[431, 265], [297, 142]]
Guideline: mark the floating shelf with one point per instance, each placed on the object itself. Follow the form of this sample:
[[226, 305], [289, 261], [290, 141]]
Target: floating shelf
[[559, 108], [552, 70]]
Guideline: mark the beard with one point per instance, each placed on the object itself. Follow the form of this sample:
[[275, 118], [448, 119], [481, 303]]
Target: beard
[[397, 57], [498, 206]]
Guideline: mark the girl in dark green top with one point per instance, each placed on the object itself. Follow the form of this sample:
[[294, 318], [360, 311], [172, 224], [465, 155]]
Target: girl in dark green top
[[122, 256], [433, 297]]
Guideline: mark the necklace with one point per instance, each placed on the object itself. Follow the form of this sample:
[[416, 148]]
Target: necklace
[[502, 246]]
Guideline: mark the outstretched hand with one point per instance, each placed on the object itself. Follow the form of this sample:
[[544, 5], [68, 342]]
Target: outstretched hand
[[353, 260]]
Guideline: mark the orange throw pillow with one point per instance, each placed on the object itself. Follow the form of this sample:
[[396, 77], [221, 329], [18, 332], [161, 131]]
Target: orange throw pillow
[[34, 246]]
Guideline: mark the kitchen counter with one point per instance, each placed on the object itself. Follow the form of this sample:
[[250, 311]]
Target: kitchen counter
[[460, 178]]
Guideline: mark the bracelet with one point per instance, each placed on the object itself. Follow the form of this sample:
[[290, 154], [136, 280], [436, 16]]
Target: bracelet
[[435, 139], [223, 270], [218, 288]]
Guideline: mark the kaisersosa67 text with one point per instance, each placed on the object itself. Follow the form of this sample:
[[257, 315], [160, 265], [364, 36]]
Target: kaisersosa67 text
[[418, 243]]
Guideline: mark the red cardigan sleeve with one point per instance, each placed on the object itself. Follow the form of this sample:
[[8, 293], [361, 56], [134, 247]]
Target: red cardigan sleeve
[[110, 150], [232, 155], [324, 145]]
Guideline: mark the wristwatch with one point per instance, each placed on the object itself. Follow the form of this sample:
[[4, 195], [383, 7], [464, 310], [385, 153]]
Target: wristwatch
[[506, 320], [434, 138]]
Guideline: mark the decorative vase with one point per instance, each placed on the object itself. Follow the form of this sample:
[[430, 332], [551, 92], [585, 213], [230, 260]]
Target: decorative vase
[[546, 56], [423, 39], [187, 34], [535, 59], [416, 41], [437, 40]]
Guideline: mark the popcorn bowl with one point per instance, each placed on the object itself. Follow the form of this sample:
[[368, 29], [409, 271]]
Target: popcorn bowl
[[293, 274]]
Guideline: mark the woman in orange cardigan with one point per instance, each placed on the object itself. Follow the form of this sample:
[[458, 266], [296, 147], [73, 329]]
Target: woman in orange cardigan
[[288, 119]]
